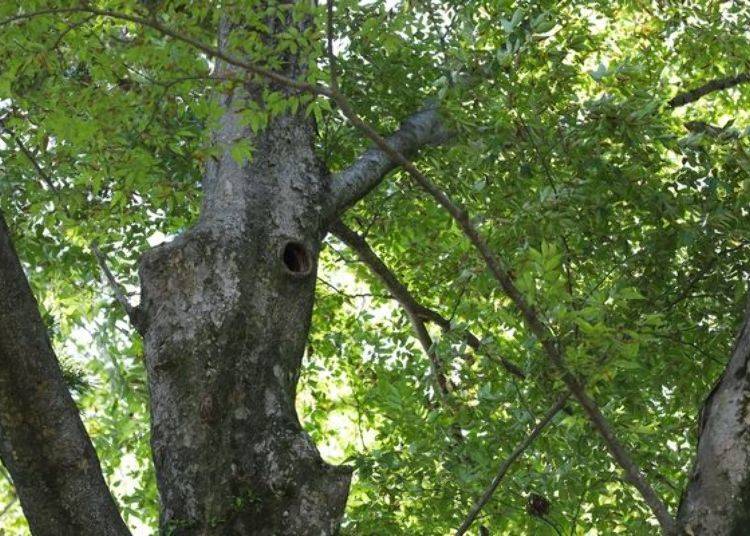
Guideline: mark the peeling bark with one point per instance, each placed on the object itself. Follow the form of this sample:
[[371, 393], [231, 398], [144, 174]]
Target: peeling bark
[[43, 443], [717, 499]]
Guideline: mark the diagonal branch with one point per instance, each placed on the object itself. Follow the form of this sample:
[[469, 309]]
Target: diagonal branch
[[43, 443], [503, 469], [45, 178], [719, 84], [133, 312], [550, 345], [349, 186], [416, 311]]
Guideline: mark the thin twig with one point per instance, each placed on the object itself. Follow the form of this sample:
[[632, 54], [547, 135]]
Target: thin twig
[[700, 274], [132, 311], [551, 181], [503, 469], [71, 27], [32, 159], [8, 506], [329, 33], [348, 295], [402, 294]]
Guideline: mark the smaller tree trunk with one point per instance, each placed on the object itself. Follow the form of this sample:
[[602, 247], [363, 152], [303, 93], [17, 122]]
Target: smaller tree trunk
[[717, 499], [43, 442]]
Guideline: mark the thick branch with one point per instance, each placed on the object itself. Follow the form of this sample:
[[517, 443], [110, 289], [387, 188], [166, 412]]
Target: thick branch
[[42, 440], [415, 310], [719, 84], [421, 129], [503, 469]]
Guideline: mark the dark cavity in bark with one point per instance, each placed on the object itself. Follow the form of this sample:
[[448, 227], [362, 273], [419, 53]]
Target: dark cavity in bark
[[296, 259]]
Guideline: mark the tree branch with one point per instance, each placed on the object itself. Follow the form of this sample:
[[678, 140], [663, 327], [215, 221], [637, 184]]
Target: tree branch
[[349, 186], [719, 84], [133, 312], [721, 133], [42, 440], [398, 290], [503, 469], [414, 310], [8, 506], [46, 179], [210, 51], [531, 317]]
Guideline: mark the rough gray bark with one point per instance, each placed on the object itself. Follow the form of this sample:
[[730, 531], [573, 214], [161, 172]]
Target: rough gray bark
[[717, 499], [226, 309], [43, 443]]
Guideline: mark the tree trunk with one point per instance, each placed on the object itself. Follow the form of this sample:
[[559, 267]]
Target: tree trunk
[[43, 442], [226, 309], [717, 499]]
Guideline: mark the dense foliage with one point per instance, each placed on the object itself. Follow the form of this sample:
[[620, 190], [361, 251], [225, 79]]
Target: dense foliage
[[624, 218]]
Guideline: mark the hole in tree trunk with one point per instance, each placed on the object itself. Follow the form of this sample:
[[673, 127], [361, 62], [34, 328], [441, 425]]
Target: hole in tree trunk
[[296, 258]]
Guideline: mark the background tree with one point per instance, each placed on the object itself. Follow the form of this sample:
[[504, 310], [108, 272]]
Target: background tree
[[575, 175]]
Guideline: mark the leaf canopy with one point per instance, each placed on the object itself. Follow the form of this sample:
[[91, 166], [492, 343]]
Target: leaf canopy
[[624, 220]]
